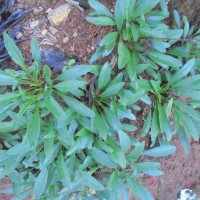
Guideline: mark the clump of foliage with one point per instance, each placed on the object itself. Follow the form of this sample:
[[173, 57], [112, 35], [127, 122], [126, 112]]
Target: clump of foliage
[[63, 137]]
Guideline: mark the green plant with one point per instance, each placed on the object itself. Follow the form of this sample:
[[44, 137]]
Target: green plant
[[63, 137], [157, 61]]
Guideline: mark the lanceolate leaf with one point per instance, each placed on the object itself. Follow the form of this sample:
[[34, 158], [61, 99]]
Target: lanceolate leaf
[[104, 76], [124, 55], [78, 106], [7, 80], [102, 158], [129, 8], [125, 141], [138, 190], [54, 107], [100, 8], [40, 183], [161, 151], [68, 86], [13, 51], [33, 129], [119, 13], [112, 119], [112, 90], [101, 21], [144, 6], [113, 180]]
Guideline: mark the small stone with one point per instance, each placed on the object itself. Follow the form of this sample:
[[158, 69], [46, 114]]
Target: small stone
[[44, 32], [19, 35], [65, 39], [52, 30], [59, 14], [92, 48], [34, 24], [48, 10], [38, 10], [75, 34]]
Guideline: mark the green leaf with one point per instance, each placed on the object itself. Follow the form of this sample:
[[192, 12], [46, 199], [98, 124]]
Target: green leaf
[[104, 76], [101, 21], [78, 71], [138, 190], [184, 139], [164, 60], [195, 114], [146, 166], [13, 51], [131, 69], [188, 124], [183, 71], [113, 119], [33, 129], [147, 124], [109, 39], [125, 141], [112, 183], [119, 158], [35, 51], [155, 128], [24, 108], [169, 107], [177, 18], [161, 151], [40, 183], [163, 121], [154, 172], [112, 90], [101, 124], [78, 106], [102, 158], [8, 97], [186, 27], [119, 13], [69, 86], [178, 51], [191, 82], [137, 151], [124, 55], [63, 170], [7, 80], [54, 107], [129, 8], [143, 6], [91, 182], [48, 146], [100, 8], [102, 145], [152, 32]]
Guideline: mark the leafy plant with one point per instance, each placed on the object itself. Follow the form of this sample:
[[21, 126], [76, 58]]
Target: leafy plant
[[63, 137]]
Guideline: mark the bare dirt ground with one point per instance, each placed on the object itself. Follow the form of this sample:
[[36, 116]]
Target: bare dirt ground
[[180, 170]]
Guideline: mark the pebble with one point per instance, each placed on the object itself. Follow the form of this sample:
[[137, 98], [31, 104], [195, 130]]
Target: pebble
[[44, 32], [75, 34], [34, 24], [65, 39], [48, 10], [59, 14], [52, 30], [38, 10], [19, 35]]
